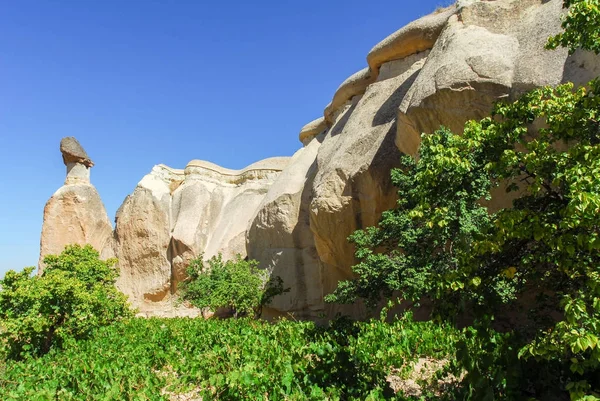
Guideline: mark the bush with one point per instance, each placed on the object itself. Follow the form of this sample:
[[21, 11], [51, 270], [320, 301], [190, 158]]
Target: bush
[[582, 27], [233, 359], [235, 284], [542, 255], [74, 296]]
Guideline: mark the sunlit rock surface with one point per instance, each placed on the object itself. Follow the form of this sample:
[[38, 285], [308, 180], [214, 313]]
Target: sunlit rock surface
[[294, 214]]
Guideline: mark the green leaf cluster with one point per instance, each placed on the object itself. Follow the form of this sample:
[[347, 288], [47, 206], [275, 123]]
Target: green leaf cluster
[[74, 296], [501, 225], [539, 259], [581, 27], [238, 285], [232, 359]]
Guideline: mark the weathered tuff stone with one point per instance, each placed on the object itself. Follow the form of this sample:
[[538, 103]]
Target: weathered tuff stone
[[488, 50], [73, 152], [312, 129], [418, 36], [352, 184], [213, 207], [443, 69], [75, 213], [279, 237], [174, 216], [355, 85], [143, 235], [294, 216]]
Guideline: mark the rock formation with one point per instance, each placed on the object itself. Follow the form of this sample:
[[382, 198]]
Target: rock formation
[[174, 216], [73, 152], [294, 215], [280, 238], [75, 213]]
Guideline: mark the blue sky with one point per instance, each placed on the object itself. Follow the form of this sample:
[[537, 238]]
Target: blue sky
[[143, 82]]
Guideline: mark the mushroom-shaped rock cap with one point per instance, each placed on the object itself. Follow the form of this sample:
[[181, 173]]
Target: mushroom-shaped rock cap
[[73, 152]]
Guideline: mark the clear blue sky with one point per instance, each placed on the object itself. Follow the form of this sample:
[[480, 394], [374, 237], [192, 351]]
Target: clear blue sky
[[143, 82]]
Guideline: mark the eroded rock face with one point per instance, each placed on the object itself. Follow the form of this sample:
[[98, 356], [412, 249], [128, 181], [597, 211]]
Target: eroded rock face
[[73, 152], [488, 51], [142, 238], [418, 36], [279, 237], [442, 69], [312, 129], [75, 213], [352, 185], [294, 215], [174, 216]]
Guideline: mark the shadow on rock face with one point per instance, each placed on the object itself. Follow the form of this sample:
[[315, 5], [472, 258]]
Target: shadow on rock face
[[388, 111], [339, 126]]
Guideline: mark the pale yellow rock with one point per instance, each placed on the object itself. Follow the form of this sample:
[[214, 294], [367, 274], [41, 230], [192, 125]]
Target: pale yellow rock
[[261, 169], [294, 215], [75, 214], [352, 184], [142, 238], [354, 85], [312, 129], [418, 36], [279, 237], [174, 216], [488, 51], [214, 205]]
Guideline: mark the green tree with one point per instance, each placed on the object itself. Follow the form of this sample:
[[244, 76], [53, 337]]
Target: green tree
[[235, 284], [581, 27], [74, 296], [442, 242]]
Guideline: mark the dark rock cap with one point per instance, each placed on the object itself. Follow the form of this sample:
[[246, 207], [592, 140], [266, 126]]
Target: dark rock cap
[[73, 152]]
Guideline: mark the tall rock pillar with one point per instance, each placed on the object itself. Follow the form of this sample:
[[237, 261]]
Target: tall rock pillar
[[75, 213]]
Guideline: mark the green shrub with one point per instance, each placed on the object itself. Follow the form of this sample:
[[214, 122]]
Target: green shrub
[[74, 296], [235, 284], [232, 359], [581, 27], [442, 242], [542, 254]]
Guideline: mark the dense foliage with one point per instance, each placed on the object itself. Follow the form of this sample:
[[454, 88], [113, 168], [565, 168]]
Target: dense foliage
[[238, 285], [543, 254], [530, 268], [581, 27], [235, 359], [74, 296]]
